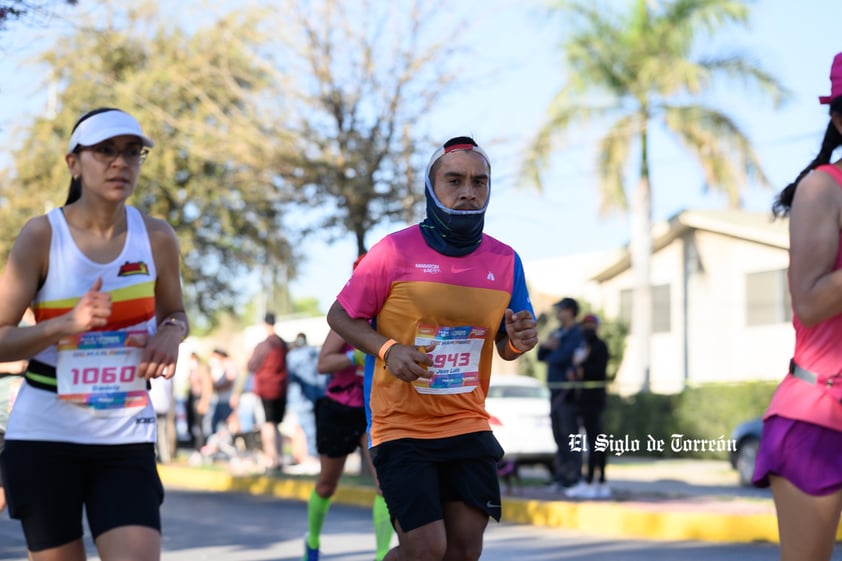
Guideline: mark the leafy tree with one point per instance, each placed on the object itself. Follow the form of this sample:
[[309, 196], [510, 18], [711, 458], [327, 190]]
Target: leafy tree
[[306, 306], [270, 125], [369, 73], [18, 9], [635, 71], [200, 97]]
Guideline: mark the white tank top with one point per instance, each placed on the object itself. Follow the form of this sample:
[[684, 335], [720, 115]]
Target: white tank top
[[39, 414]]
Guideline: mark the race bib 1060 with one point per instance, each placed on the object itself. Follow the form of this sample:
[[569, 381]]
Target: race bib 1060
[[98, 369], [455, 358]]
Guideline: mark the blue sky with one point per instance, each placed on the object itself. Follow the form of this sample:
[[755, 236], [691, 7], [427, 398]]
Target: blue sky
[[564, 218], [518, 47]]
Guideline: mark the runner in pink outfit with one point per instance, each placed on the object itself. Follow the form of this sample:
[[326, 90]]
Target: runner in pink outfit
[[801, 446]]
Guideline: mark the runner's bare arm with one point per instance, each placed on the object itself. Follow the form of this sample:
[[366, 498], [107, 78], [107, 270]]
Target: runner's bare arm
[[357, 332], [814, 224], [406, 362], [19, 281], [332, 358], [161, 353]]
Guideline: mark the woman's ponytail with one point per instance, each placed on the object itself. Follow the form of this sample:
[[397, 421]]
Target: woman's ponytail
[[832, 140]]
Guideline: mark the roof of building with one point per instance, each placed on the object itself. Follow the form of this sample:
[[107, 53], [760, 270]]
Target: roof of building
[[757, 227]]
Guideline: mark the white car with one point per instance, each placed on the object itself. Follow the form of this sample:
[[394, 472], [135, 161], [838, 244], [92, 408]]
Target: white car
[[519, 409]]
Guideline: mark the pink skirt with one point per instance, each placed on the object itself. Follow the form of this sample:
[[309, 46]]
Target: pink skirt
[[807, 455]]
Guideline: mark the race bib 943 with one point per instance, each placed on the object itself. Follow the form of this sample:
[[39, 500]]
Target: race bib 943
[[98, 369], [455, 358]]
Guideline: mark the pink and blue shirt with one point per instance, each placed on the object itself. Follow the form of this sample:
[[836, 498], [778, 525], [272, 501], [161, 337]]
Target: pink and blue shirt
[[415, 295]]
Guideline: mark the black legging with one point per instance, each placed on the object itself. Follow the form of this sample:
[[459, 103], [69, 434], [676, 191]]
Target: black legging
[[195, 428], [592, 420]]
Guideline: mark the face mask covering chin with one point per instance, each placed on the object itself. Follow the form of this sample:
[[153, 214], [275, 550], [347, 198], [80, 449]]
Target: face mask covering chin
[[452, 232]]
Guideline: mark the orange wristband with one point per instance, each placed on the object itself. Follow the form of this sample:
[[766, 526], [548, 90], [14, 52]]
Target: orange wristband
[[515, 349], [386, 346]]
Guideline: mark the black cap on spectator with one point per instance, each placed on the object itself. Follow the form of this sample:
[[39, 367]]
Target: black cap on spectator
[[568, 304]]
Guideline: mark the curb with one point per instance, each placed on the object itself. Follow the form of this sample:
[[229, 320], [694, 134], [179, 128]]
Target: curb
[[637, 520]]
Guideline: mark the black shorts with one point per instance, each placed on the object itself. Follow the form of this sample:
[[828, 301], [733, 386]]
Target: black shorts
[[47, 484], [274, 409], [339, 428], [417, 476]]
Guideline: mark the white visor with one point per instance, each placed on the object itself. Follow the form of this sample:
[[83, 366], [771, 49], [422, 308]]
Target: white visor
[[103, 126]]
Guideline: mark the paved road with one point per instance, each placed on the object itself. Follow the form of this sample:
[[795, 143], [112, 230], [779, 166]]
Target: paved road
[[237, 527]]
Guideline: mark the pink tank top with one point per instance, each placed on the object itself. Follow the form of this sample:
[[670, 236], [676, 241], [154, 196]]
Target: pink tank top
[[346, 386], [819, 350]]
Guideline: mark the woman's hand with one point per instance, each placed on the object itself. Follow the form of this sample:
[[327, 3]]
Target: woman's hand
[[91, 311]]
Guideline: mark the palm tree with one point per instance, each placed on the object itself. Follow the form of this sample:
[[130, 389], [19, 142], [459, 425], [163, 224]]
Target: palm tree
[[631, 72]]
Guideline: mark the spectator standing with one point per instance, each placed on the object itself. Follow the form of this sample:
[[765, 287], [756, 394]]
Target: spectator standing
[[10, 381], [309, 387], [199, 398], [163, 401], [223, 373], [247, 407], [801, 443], [431, 302], [557, 351], [268, 362], [591, 363]]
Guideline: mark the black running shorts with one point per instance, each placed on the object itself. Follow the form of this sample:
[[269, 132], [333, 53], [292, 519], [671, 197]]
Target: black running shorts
[[274, 409], [48, 483], [339, 428], [418, 476]]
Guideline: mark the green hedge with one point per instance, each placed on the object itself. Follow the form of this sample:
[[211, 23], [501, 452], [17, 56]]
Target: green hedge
[[704, 413]]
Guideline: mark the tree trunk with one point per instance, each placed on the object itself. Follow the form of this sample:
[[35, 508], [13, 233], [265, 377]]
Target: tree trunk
[[640, 251]]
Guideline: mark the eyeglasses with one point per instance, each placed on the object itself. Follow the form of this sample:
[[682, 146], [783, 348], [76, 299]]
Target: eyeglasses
[[106, 153]]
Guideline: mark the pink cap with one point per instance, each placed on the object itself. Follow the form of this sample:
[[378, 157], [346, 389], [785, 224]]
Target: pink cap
[[591, 318], [835, 80]]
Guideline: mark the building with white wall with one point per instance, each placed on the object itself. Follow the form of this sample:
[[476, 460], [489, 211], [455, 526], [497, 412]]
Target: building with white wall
[[721, 309]]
